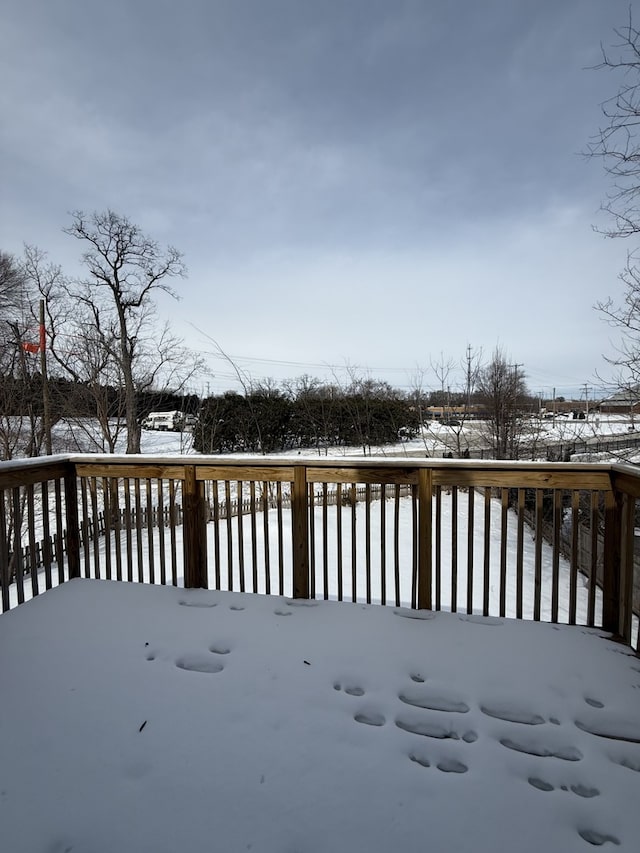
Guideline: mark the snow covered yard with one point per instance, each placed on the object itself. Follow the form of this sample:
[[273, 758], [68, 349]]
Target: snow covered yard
[[156, 720]]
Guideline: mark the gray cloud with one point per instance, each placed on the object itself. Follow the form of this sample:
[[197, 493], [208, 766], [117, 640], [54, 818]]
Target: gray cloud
[[357, 180]]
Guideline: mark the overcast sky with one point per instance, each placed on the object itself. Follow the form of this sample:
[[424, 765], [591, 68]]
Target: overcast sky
[[352, 182]]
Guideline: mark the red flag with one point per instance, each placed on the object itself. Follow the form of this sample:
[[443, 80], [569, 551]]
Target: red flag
[[40, 346]]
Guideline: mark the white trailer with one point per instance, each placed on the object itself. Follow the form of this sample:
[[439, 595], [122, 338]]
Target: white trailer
[[164, 421], [169, 421]]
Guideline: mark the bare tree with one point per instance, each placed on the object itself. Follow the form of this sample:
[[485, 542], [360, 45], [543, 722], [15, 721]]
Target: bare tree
[[11, 286], [434, 438], [442, 370], [625, 317], [471, 366], [21, 431], [617, 145], [502, 391], [417, 396], [103, 328]]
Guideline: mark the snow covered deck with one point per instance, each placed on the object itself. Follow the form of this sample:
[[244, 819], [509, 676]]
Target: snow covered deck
[[148, 719], [549, 541]]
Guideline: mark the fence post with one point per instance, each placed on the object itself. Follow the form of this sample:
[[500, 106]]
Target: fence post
[[300, 532], [627, 537], [71, 513], [425, 538], [195, 531], [611, 563]]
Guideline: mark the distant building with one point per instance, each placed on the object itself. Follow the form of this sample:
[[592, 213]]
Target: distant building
[[622, 402], [442, 413]]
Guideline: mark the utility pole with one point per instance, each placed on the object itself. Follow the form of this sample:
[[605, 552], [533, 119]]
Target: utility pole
[[516, 380], [586, 400], [468, 379]]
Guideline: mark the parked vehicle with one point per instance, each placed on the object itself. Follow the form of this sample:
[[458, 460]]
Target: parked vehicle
[[169, 421]]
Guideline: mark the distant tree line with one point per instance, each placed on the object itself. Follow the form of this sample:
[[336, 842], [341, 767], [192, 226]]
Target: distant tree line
[[306, 414], [73, 400]]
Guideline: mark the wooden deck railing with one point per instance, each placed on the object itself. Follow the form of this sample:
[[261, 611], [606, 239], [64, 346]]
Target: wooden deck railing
[[501, 539]]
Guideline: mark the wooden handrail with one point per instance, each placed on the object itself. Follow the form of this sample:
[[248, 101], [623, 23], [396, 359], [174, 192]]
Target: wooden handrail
[[81, 484]]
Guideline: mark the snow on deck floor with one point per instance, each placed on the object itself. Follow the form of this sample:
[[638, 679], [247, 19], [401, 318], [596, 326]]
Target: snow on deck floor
[[160, 720]]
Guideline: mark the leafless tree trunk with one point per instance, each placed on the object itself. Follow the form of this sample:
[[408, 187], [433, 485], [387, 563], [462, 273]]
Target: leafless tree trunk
[[103, 331]]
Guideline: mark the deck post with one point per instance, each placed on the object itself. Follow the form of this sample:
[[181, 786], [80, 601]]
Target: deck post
[[195, 531], [300, 532], [71, 519], [425, 538], [611, 562], [627, 533]]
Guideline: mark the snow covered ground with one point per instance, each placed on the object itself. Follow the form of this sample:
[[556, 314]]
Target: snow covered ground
[[145, 719], [148, 719]]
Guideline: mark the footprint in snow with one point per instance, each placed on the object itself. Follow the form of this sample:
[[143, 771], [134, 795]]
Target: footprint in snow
[[422, 760], [579, 790], [199, 663], [447, 765], [349, 689], [433, 729], [419, 615], [512, 714], [540, 750], [433, 701], [368, 718], [597, 838], [451, 765], [626, 761], [611, 727]]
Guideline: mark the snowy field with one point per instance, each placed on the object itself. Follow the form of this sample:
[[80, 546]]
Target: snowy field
[[145, 719]]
